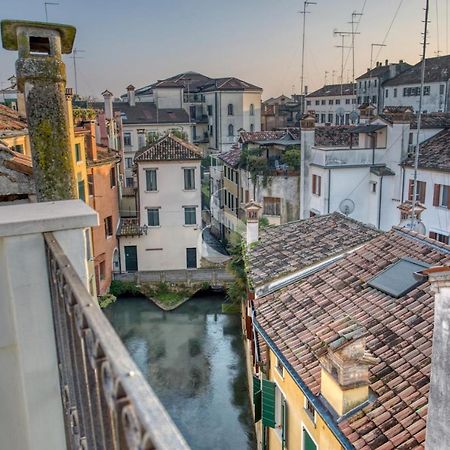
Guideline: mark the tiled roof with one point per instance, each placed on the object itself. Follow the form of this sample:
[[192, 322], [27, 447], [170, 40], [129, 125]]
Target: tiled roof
[[375, 72], [301, 317], [232, 156], [289, 248], [432, 120], [10, 121], [252, 136], [335, 136], [229, 84], [434, 153], [333, 90], [169, 148], [436, 69], [15, 174]]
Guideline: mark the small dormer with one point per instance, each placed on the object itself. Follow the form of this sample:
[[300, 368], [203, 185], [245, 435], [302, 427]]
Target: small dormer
[[345, 366]]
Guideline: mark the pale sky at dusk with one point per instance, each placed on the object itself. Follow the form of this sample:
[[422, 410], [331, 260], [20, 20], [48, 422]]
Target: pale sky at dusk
[[140, 41]]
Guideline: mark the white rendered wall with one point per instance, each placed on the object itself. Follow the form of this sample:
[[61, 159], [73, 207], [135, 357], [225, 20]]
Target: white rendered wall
[[168, 98]]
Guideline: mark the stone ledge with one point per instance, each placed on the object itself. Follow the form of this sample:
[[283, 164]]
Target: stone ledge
[[31, 218]]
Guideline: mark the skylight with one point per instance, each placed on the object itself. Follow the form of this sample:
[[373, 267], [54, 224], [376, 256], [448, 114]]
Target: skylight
[[398, 279]]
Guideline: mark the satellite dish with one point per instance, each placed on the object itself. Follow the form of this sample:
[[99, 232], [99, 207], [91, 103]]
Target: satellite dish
[[347, 206], [416, 225]]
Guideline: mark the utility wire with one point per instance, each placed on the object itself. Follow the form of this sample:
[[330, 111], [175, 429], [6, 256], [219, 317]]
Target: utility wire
[[390, 27], [438, 50]]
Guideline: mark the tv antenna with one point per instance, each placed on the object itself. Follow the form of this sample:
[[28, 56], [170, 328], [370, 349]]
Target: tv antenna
[[45, 6], [74, 58], [347, 206], [343, 35], [353, 23]]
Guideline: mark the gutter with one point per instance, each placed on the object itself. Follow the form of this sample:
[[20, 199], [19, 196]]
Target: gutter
[[321, 410], [379, 201]]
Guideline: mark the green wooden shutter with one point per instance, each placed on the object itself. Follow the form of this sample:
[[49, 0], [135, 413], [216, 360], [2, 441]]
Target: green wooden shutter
[[284, 424], [268, 403], [308, 442], [257, 397]]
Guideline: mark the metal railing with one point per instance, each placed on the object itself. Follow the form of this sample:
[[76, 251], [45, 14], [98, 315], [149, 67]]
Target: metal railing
[[107, 403]]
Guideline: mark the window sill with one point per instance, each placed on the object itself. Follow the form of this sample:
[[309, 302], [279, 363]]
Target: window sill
[[109, 237], [190, 225], [189, 190], [151, 192]]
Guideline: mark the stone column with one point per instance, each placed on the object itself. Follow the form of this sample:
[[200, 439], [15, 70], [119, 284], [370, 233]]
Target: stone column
[[41, 77]]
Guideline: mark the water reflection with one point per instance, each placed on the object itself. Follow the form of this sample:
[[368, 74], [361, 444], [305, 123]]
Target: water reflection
[[194, 360]]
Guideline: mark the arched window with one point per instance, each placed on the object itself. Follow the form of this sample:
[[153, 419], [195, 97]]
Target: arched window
[[252, 127], [230, 109], [252, 109], [230, 130]]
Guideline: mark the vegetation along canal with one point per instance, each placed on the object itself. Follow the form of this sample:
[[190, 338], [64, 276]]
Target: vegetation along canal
[[194, 360]]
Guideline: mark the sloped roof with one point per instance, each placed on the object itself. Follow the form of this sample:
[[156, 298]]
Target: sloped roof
[[253, 136], [300, 318], [289, 248], [333, 90], [434, 153], [169, 148], [146, 112], [229, 84], [232, 156], [15, 173], [10, 121], [436, 69]]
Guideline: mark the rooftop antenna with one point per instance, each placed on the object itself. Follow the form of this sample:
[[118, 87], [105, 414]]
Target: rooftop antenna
[[353, 23], [326, 77], [343, 35], [371, 62], [45, 6], [419, 117], [74, 58], [333, 74], [306, 3]]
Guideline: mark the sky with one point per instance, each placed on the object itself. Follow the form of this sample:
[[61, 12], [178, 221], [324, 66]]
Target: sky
[[259, 41]]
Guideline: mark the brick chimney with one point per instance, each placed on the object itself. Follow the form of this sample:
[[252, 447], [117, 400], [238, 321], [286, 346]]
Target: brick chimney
[[344, 381], [438, 430], [90, 139], [131, 95], [252, 213], [41, 77]]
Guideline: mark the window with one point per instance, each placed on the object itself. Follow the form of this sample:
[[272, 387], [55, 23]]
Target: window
[[323, 102], [129, 163], [359, 100], [374, 99], [129, 182], [150, 176], [421, 190], [211, 130], [230, 109], [127, 139], [311, 411], [387, 93], [18, 148], [323, 118], [317, 102], [108, 227], [373, 187], [308, 102], [395, 92], [330, 118], [189, 215], [375, 82], [90, 180], [426, 90], [330, 102], [252, 127], [112, 177], [441, 196], [308, 442], [272, 206], [280, 368], [316, 185], [210, 110], [252, 109], [338, 102], [230, 130], [347, 101], [102, 270], [280, 415], [81, 194], [442, 89], [77, 152], [439, 237], [189, 179], [153, 217]]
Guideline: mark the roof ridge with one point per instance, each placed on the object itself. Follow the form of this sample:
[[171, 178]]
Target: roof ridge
[[425, 240]]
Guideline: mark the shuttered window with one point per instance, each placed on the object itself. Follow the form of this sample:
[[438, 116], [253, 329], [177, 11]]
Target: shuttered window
[[316, 185], [257, 397], [439, 237], [441, 196], [308, 443], [421, 190], [268, 403]]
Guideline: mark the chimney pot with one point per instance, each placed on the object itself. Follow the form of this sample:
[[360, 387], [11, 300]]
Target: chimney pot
[[131, 95], [386, 62], [252, 211]]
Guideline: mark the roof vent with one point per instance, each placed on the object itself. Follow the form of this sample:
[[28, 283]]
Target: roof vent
[[399, 278]]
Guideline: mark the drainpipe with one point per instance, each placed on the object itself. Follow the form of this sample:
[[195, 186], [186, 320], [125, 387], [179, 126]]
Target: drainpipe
[[403, 183], [329, 189], [379, 201], [41, 77], [373, 148]]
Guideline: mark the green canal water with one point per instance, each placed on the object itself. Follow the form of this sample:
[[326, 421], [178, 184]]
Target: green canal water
[[194, 360]]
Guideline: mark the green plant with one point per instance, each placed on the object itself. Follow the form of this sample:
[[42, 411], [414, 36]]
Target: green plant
[[119, 288], [237, 290], [291, 157], [263, 222], [105, 300]]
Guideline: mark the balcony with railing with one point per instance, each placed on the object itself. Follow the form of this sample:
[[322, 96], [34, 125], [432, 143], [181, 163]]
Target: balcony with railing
[[347, 156], [66, 379]]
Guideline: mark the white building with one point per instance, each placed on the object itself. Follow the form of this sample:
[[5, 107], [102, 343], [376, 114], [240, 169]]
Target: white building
[[368, 177], [167, 232], [404, 89], [217, 108], [333, 104]]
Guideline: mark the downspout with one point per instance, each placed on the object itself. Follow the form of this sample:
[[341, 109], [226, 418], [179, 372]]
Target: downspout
[[379, 201], [329, 189], [373, 148], [403, 183]]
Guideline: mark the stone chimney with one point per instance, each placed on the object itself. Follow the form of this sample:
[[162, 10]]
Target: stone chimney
[[41, 76], [252, 212], [108, 104], [90, 139], [438, 430], [307, 136], [131, 95], [344, 381]]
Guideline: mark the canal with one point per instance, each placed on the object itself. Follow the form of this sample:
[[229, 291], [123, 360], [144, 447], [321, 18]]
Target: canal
[[194, 360]]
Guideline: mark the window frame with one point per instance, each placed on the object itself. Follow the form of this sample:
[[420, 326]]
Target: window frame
[[189, 214], [108, 225], [189, 186], [316, 185], [112, 177], [128, 162], [78, 157], [252, 109], [152, 210], [147, 183], [230, 109], [230, 130]]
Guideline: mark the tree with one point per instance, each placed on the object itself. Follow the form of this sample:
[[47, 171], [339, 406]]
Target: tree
[[237, 290], [291, 157]]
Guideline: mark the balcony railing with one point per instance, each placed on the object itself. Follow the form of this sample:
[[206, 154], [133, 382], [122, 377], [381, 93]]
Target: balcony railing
[[344, 156], [107, 403]]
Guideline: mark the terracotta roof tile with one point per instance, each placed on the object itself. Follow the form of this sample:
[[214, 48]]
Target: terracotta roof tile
[[169, 148]]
